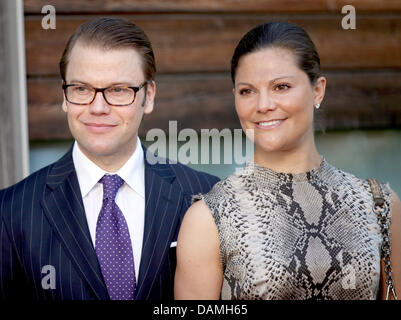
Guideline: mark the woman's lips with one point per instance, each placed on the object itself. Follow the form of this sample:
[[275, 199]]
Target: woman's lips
[[271, 124]]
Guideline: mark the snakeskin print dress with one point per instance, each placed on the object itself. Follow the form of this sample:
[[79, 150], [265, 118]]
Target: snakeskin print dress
[[297, 236]]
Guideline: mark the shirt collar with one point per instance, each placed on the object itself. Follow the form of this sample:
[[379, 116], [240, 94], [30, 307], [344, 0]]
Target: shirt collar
[[132, 172]]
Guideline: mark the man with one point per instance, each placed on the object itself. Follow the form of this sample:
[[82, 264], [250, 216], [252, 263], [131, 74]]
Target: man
[[102, 222]]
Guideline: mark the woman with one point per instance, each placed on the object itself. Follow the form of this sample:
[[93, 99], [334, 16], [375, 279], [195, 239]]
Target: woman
[[290, 225]]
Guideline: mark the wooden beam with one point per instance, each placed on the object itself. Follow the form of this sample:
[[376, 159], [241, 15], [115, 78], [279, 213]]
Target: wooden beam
[[376, 42], [353, 100], [257, 6]]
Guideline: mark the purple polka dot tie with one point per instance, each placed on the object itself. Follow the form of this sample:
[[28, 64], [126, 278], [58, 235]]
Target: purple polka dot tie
[[113, 244]]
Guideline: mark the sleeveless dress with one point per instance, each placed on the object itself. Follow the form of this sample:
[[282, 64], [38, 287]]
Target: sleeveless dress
[[297, 236]]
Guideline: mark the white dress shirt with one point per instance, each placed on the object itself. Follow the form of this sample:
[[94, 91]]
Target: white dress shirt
[[130, 197]]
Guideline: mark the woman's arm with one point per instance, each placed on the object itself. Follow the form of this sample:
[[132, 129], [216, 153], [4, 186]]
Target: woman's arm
[[199, 272], [395, 255]]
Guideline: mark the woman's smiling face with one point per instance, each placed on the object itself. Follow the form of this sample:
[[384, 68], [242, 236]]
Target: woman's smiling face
[[274, 99]]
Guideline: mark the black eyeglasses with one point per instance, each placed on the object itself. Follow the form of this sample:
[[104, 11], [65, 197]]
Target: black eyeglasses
[[83, 94]]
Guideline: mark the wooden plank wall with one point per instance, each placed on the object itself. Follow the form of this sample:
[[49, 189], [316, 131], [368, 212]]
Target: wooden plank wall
[[193, 42]]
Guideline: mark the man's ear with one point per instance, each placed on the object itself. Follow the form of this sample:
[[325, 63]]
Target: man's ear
[[150, 97], [64, 104]]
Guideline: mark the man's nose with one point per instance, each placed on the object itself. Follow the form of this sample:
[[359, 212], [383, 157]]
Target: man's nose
[[99, 105]]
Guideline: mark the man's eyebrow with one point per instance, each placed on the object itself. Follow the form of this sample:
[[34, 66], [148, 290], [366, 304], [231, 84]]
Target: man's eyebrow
[[79, 81], [119, 83]]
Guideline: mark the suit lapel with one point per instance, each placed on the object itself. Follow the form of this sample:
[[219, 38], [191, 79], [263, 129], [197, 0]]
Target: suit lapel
[[63, 206], [163, 201]]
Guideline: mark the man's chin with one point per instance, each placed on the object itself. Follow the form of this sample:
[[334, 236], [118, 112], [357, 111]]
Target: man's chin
[[100, 150]]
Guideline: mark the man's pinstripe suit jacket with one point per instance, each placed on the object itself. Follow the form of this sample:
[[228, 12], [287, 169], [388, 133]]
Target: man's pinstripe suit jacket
[[43, 223]]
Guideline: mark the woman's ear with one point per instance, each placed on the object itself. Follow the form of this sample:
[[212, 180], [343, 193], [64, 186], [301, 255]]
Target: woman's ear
[[319, 89]]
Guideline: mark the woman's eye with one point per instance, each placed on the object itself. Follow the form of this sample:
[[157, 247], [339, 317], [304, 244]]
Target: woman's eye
[[281, 87], [243, 92]]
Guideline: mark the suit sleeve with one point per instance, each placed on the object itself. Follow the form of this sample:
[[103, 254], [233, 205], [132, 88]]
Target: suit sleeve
[[10, 271]]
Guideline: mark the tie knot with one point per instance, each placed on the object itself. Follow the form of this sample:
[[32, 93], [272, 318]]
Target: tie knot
[[111, 184]]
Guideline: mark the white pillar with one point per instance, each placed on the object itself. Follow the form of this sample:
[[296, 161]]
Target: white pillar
[[14, 138]]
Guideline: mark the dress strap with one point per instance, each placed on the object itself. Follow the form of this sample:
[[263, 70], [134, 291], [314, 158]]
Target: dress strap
[[381, 209]]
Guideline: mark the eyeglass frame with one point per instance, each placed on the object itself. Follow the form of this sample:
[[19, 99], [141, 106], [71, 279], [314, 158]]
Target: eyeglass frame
[[102, 90]]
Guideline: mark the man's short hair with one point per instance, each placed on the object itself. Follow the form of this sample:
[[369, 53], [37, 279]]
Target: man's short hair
[[112, 33]]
